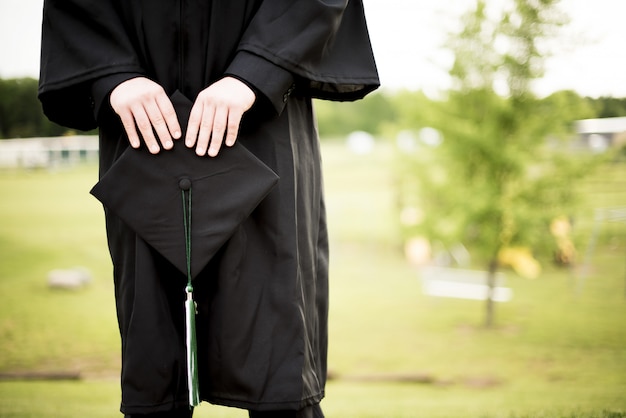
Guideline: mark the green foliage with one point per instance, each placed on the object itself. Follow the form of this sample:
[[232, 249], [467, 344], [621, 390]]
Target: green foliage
[[383, 113], [608, 107], [414, 111], [20, 111], [495, 182], [565, 107], [476, 40], [339, 119]]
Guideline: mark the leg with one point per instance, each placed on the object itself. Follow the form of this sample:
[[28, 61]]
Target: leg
[[272, 414], [178, 413], [313, 411]]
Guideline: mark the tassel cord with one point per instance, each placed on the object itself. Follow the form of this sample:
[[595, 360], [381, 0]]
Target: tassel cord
[[187, 226], [190, 309]]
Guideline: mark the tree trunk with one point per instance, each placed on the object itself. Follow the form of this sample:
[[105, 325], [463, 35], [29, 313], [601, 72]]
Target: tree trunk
[[491, 284]]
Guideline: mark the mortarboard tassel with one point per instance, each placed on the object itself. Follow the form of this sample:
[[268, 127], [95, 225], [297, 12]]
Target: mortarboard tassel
[[192, 355], [190, 305]]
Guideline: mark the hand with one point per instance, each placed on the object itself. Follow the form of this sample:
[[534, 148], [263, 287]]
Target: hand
[[142, 103], [216, 115]]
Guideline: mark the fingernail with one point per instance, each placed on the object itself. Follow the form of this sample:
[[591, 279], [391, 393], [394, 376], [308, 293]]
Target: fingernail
[[177, 134], [169, 144], [154, 149]]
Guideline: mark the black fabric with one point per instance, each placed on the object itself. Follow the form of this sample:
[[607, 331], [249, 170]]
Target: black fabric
[[263, 297], [325, 45], [179, 413], [272, 414], [313, 411], [145, 190], [81, 41], [337, 62]]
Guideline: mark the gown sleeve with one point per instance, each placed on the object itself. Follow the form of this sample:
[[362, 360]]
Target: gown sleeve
[[90, 35], [324, 45], [319, 47]]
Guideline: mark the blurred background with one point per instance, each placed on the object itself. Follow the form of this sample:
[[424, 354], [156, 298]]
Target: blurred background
[[477, 211]]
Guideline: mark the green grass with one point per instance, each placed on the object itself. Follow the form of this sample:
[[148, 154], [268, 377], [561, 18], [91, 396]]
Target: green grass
[[558, 348], [98, 399], [49, 221]]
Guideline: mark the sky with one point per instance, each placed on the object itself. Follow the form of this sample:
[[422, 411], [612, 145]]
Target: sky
[[407, 36]]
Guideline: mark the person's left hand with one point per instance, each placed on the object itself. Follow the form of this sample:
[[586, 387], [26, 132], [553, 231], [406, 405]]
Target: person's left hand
[[216, 115]]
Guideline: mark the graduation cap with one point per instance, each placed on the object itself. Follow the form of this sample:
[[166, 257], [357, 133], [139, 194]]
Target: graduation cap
[[156, 195], [144, 190]]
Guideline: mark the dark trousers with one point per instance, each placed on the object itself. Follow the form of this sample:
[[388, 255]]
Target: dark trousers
[[179, 413], [309, 412]]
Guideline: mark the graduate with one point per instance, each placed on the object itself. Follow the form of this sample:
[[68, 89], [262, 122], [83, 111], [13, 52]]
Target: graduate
[[211, 101]]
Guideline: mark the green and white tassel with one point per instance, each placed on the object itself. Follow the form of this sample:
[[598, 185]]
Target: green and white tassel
[[190, 311]]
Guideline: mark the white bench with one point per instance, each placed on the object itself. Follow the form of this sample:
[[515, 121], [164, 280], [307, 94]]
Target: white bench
[[462, 284]]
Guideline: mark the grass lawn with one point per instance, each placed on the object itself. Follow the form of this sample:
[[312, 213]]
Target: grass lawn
[[558, 348], [98, 399]]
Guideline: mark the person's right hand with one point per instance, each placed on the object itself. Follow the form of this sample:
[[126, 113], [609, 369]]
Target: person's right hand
[[142, 103]]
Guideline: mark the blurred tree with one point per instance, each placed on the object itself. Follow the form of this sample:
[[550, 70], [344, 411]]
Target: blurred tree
[[20, 112], [413, 110], [608, 107], [495, 182], [565, 107], [340, 119]]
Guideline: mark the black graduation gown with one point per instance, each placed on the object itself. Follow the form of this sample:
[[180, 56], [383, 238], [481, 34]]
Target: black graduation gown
[[263, 299]]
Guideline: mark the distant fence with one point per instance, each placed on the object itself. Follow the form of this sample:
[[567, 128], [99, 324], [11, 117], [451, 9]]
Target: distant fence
[[463, 284], [602, 216], [47, 152]]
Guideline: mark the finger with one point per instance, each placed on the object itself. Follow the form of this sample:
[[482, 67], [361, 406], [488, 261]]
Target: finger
[[234, 119], [206, 130], [220, 122], [193, 125], [145, 128], [128, 121], [169, 114], [158, 124]]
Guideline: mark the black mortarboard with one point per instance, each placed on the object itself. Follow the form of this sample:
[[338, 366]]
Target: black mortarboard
[[144, 190]]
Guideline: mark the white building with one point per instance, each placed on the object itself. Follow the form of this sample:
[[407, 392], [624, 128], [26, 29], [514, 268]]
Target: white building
[[47, 152], [601, 134]]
